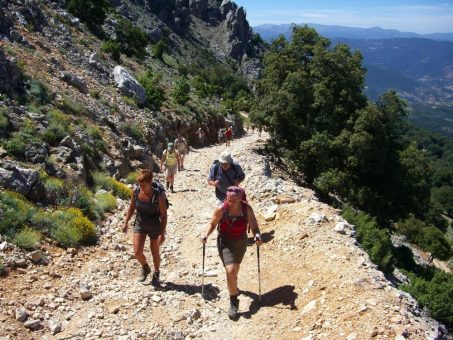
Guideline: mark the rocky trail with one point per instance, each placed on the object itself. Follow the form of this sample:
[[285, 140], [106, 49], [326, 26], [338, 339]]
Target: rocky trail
[[316, 281]]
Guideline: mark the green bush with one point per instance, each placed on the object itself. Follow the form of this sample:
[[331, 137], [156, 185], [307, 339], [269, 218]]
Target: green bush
[[55, 187], [67, 105], [434, 292], [79, 196], [38, 92], [71, 228], [154, 92], [17, 212], [181, 91], [4, 122], [134, 130], [113, 47], [106, 182], [19, 140], [89, 11], [58, 128], [2, 266], [373, 239], [159, 49], [443, 196], [132, 39], [131, 178], [27, 238], [104, 202]]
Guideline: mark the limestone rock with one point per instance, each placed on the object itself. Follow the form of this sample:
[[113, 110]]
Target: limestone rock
[[129, 85]]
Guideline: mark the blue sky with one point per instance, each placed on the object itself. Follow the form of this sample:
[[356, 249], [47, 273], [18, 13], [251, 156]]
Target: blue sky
[[420, 16]]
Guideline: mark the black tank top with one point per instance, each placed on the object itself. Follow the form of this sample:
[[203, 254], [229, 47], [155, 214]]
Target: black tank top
[[148, 213]]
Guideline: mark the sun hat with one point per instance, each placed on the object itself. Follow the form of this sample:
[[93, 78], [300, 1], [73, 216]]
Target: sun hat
[[170, 146], [235, 192], [225, 157]]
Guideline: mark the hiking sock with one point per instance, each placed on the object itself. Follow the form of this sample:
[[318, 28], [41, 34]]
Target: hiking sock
[[234, 307], [155, 280], [145, 271]]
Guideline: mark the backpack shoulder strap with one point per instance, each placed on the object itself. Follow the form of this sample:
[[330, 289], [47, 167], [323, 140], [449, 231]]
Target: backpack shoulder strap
[[216, 169], [136, 192]]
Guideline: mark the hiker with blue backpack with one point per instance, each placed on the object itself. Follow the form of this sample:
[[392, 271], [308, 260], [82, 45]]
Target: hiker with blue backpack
[[223, 174], [232, 218], [149, 202]]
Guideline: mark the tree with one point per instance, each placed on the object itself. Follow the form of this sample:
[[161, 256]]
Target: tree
[[154, 92], [89, 11], [181, 91], [131, 38], [444, 197], [159, 49]]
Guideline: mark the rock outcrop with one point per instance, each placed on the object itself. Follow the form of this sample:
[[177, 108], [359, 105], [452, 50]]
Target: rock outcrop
[[11, 82], [129, 85]]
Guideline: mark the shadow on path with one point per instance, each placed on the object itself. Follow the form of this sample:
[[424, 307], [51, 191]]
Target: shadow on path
[[284, 295], [210, 292], [265, 237]]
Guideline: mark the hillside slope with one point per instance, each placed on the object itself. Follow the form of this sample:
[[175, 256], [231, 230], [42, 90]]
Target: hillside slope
[[316, 282]]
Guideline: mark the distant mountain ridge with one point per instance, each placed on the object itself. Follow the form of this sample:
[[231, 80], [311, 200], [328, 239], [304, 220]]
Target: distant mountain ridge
[[419, 67], [271, 31]]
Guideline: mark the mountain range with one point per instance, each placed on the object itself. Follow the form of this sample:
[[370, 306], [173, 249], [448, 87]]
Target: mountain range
[[419, 67]]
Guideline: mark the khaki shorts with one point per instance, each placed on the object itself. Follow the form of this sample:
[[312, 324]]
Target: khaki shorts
[[171, 170], [231, 250], [182, 152]]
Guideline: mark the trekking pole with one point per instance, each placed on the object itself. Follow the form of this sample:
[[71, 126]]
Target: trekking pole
[[202, 277], [259, 271]]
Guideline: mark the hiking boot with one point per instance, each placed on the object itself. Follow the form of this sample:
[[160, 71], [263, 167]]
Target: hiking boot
[[234, 307], [145, 271], [155, 280]]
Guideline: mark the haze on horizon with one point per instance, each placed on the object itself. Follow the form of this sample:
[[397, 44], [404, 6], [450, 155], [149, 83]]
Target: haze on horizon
[[419, 16]]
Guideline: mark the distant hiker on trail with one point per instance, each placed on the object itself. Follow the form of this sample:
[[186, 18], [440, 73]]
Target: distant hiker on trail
[[170, 159], [182, 147], [223, 174], [229, 135], [200, 135], [232, 218], [149, 202], [221, 135]]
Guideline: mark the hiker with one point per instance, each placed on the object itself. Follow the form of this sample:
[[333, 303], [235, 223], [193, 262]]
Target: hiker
[[231, 219], [200, 135], [229, 135], [149, 201], [170, 159], [220, 135], [223, 174], [182, 147]]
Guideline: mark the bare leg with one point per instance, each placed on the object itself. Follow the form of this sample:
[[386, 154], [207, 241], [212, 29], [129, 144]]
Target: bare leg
[[232, 271], [154, 244], [139, 244]]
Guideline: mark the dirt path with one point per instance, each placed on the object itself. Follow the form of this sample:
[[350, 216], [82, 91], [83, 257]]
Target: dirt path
[[316, 282]]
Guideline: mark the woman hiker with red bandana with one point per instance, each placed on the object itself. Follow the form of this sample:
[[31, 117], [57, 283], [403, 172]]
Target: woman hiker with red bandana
[[232, 218]]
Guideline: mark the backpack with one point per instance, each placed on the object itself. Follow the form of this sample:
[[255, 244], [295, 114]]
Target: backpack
[[234, 228], [158, 188], [217, 167]]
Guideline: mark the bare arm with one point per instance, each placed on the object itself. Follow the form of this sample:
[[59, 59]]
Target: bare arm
[[129, 212], [162, 160], [215, 219], [253, 224]]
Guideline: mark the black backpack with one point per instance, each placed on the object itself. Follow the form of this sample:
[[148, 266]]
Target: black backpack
[[158, 188]]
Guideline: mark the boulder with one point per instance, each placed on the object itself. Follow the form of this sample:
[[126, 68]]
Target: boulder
[[129, 85], [24, 181], [78, 82], [198, 8], [11, 81]]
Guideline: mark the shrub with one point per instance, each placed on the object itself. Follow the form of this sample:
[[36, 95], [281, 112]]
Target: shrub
[[104, 202], [38, 92], [16, 212], [89, 11], [434, 292], [55, 187], [106, 182], [181, 91], [159, 49], [113, 47], [132, 39], [442, 195], [134, 130], [79, 196], [2, 266], [4, 122], [374, 240], [27, 238], [131, 178], [67, 105], [95, 94], [154, 92], [71, 228], [19, 140], [58, 127]]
